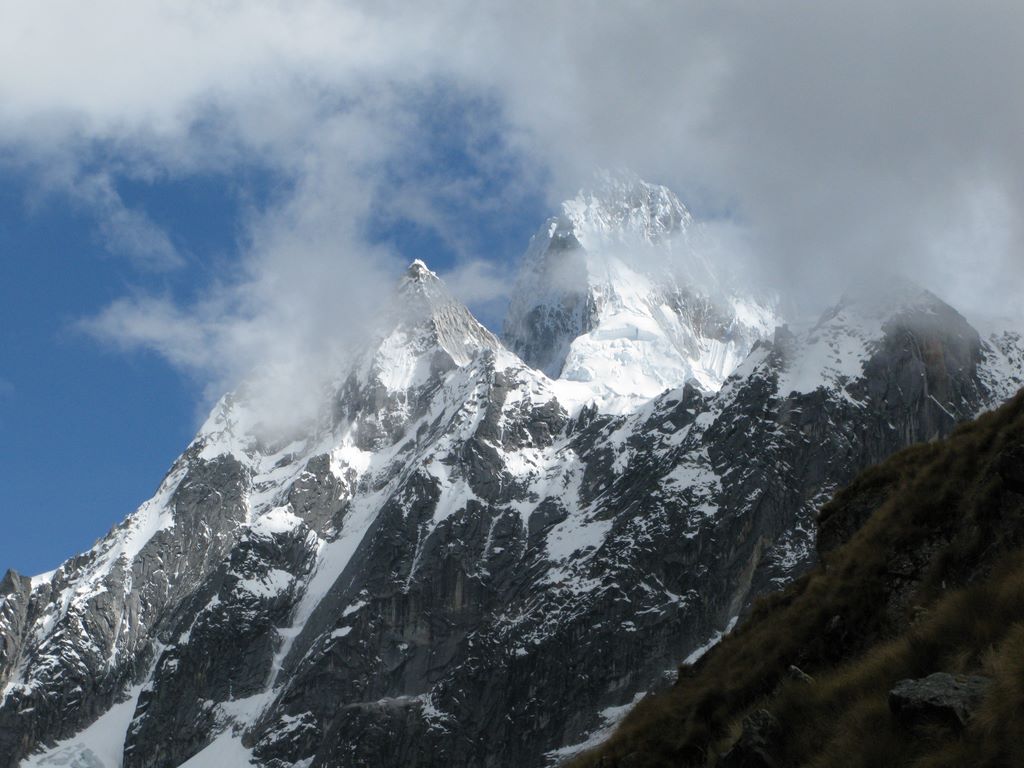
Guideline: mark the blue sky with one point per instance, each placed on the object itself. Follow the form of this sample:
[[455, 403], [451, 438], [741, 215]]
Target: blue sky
[[192, 191], [89, 430], [87, 433]]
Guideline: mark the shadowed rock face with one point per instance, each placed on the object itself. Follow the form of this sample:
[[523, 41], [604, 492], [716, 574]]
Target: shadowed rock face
[[15, 591], [456, 568], [88, 632]]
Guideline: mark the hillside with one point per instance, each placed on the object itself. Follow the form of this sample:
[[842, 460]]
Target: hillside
[[922, 572]]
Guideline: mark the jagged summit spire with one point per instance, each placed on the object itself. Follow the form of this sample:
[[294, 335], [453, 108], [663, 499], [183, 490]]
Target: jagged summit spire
[[619, 205], [419, 278], [419, 271], [420, 291], [425, 309]]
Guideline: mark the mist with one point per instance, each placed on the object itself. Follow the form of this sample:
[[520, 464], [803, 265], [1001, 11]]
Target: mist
[[844, 137], [830, 141]]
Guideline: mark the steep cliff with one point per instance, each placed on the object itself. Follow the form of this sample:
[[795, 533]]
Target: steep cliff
[[903, 647]]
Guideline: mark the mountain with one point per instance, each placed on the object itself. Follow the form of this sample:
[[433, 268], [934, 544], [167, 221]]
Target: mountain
[[475, 555], [903, 647], [619, 299]]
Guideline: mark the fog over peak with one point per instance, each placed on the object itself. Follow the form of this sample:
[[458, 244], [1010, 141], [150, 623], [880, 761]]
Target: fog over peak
[[825, 141]]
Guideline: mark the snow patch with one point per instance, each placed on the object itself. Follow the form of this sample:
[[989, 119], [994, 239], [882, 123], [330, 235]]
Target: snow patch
[[714, 640], [99, 745], [226, 750], [269, 585], [610, 718], [277, 521]]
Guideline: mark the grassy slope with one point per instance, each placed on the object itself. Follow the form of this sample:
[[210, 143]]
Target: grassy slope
[[932, 581]]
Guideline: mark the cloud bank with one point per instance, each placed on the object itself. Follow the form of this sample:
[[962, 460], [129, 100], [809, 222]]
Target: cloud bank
[[842, 138]]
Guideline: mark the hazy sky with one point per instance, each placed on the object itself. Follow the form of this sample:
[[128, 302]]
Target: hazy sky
[[204, 188]]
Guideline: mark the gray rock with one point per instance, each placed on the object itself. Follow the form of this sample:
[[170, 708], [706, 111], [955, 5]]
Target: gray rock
[[755, 746], [795, 673], [939, 698], [15, 593]]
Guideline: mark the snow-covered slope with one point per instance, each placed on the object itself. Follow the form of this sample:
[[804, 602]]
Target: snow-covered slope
[[618, 299], [461, 562]]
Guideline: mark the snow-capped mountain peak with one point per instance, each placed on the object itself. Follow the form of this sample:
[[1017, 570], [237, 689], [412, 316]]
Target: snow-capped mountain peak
[[420, 279], [425, 315], [619, 301], [833, 352], [621, 208]]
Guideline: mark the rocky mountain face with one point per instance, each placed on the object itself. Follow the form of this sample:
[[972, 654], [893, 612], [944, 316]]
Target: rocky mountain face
[[483, 551], [902, 647]]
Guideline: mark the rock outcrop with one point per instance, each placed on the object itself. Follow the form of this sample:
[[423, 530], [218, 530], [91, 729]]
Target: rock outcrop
[[940, 698]]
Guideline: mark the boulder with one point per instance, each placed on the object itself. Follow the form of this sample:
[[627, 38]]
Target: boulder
[[940, 697], [795, 673]]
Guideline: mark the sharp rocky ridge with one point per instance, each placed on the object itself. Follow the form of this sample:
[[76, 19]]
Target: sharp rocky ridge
[[484, 550]]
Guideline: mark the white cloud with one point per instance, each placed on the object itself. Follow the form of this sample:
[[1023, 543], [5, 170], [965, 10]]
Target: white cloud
[[125, 231], [308, 284], [843, 136]]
